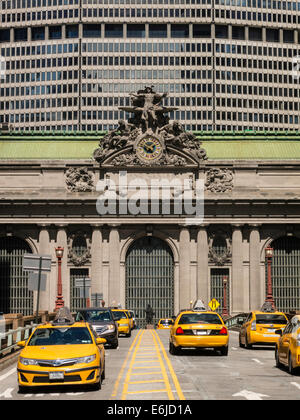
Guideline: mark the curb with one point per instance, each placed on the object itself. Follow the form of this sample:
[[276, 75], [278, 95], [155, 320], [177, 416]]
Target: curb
[[9, 360]]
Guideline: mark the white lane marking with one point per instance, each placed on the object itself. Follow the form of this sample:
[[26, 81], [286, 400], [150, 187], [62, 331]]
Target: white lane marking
[[250, 395], [7, 393], [296, 384], [7, 374], [257, 361]]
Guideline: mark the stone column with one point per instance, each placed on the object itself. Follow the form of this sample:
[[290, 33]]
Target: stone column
[[44, 248], [97, 257], [61, 240], [237, 280], [255, 297], [184, 268], [202, 262], [114, 294]]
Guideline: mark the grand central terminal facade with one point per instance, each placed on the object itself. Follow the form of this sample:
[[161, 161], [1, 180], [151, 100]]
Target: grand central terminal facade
[[54, 188]]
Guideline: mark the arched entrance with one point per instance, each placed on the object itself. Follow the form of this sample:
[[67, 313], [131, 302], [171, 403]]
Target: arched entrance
[[150, 278], [286, 273], [14, 294]]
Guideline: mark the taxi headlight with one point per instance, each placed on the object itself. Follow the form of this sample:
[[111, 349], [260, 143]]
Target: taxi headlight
[[87, 359], [28, 362]]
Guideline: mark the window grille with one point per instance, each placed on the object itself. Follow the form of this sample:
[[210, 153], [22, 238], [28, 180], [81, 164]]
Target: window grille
[[150, 279]]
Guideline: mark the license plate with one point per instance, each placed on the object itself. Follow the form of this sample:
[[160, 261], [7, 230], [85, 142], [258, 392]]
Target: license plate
[[271, 330], [199, 332], [56, 376]]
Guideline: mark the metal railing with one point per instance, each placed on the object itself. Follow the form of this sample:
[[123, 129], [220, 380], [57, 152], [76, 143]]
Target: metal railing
[[16, 327], [9, 339], [235, 322]]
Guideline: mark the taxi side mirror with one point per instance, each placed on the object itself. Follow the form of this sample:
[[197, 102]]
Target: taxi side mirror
[[21, 343], [279, 332], [100, 340]]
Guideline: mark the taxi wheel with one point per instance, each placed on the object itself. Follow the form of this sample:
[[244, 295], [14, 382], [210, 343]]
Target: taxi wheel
[[23, 389], [114, 345], [291, 368], [174, 350], [129, 334], [240, 342], [224, 351], [278, 364], [247, 345], [103, 373]]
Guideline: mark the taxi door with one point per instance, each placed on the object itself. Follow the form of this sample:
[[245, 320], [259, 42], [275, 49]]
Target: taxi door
[[284, 344], [245, 326]]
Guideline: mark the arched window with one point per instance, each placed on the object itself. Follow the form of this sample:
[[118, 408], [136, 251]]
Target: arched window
[[14, 294], [285, 273]]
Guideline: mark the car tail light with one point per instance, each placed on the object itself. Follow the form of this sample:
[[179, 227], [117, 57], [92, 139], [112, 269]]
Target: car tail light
[[253, 326], [179, 331], [223, 331]]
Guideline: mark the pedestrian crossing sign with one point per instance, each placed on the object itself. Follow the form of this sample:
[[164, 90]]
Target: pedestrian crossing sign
[[214, 304]]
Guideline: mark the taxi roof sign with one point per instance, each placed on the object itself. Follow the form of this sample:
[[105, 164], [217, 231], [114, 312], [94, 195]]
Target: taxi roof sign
[[199, 305], [214, 304]]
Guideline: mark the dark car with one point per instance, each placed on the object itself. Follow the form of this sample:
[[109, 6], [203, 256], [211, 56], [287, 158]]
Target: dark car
[[103, 323]]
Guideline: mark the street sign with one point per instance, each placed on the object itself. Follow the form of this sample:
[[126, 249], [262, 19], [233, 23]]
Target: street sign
[[33, 281], [36, 262], [214, 304]]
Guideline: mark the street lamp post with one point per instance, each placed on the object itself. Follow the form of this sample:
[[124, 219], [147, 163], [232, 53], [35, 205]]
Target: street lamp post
[[225, 310], [269, 252], [59, 303]]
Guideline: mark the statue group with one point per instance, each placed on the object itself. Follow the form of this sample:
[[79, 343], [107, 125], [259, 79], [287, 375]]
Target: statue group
[[149, 116]]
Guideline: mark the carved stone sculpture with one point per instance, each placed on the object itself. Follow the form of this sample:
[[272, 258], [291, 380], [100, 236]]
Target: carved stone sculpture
[[79, 180], [219, 180]]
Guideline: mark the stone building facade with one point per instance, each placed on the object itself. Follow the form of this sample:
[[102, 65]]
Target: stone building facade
[[48, 197]]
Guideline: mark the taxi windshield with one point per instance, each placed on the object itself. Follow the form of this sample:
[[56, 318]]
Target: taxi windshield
[[200, 318], [60, 336], [121, 315], [166, 321], [270, 319], [95, 315]]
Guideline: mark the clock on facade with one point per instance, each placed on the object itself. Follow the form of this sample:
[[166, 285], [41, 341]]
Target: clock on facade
[[149, 149]]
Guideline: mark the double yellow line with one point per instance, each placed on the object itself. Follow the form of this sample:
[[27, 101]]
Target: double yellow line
[[160, 362]]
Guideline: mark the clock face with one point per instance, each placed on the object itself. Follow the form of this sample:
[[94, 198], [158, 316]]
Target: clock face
[[149, 148]]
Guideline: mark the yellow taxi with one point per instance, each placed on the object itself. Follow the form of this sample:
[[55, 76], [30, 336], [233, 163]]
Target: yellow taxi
[[260, 328], [63, 352], [130, 317], [164, 324], [198, 329], [123, 321], [287, 350]]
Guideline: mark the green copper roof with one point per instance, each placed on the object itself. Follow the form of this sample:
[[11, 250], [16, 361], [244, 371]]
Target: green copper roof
[[218, 145]]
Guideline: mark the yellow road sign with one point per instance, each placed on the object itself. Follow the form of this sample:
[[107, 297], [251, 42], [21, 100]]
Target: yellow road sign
[[214, 304]]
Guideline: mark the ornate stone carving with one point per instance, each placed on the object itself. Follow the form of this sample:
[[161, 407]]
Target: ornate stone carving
[[149, 137], [74, 257], [219, 259], [79, 180], [219, 250], [219, 180]]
